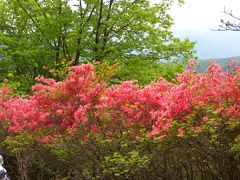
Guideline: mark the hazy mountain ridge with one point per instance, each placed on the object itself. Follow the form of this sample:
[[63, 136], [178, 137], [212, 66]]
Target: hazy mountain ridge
[[223, 62]]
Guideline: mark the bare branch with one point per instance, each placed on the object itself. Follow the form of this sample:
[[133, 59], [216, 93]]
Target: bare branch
[[227, 25], [231, 14]]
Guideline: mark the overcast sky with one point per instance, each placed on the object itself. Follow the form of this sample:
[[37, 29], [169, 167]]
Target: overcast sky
[[202, 14], [196, 18]]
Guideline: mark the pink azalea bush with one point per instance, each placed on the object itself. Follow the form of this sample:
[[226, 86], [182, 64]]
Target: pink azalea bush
[[193, 98], [190, 125], [56, 107], [83, 104]]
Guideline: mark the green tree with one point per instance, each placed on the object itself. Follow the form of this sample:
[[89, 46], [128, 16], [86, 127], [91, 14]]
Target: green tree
[[37, 33]]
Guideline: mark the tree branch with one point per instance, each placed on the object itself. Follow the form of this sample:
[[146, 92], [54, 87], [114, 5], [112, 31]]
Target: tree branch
[[98, 31], [34, 21], [106, 32], [227, 25]]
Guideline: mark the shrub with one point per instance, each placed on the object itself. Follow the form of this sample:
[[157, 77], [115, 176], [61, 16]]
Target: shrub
[[187, 128]]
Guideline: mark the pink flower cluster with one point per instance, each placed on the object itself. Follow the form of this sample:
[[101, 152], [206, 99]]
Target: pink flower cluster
[[82, 104]]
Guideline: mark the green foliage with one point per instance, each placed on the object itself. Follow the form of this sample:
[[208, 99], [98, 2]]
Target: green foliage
[[118, 164], [146, 71], [36, 34]]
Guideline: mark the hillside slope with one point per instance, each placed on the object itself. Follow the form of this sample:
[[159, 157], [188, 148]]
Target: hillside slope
[[223, 62]]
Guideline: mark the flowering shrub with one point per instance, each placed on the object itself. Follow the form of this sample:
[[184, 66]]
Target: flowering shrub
[[83, 103], [197, 98], [56, 107], [192, 100], [196, 115]]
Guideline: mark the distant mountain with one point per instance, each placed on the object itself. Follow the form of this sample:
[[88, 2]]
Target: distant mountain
[[223, 62], [221, 46]]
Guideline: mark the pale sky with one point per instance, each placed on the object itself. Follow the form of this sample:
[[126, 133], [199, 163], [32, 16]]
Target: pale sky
[[202, 14], [196, 18]]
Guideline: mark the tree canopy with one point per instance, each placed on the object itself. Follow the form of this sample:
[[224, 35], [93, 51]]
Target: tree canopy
[[36, 33]]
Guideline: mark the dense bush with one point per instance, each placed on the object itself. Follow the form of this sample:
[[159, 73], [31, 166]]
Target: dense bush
[[82, 128]]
